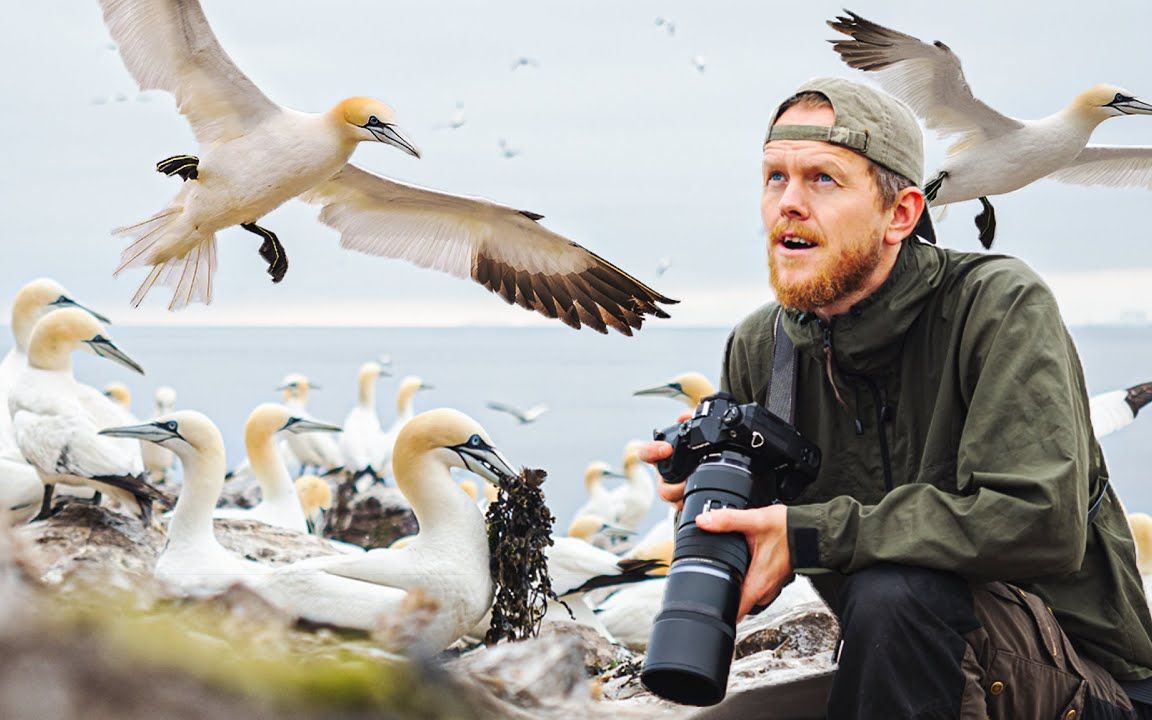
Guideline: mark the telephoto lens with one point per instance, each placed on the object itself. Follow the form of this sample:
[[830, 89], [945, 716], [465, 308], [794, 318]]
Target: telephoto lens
[[690, 647]]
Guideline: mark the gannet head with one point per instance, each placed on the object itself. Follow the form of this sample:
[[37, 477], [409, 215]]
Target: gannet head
[[165, 400], [295, 387], [597, 471], [369, 119], [184, 432], [58, 334], [409, 386], [118, 393], [584, 527], [370, 372], [35, 300], [687, 387], [270, 418], [632, 454], [314, 493], [456, 440], [1101, 102], [657, 550]]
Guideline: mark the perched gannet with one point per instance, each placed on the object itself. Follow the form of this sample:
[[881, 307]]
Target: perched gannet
[[193, 561], [589, 527], [524, 417], [316, 451], [628, 612], [405, 410], [600, 502], [119, 393], [159, 461], [994, 154], [56, 430], [634, 498], [279, 504], [447, 560], [256, 155], [315, 500], [1114, 410], [689, 388], [31, 303], [362, 442]]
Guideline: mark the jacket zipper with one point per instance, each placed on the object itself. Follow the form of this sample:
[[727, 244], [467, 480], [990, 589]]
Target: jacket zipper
[[881, 419]]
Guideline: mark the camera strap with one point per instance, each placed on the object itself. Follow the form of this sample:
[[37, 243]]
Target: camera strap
[[782, 387]]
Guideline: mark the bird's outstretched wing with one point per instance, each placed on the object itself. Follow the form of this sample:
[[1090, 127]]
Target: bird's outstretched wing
[[504, 249], [501, 407], [168, 45], [1114, 165], [927, 77]]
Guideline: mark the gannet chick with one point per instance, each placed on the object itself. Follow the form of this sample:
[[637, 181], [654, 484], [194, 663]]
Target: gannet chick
[[1112, 411], [318, 452], [279, 504], [256, 155], [524, 417], [54, 429], [994, 154], [159, 461], [315, 500], [32, 302], [689, 388], [193, 561], [405, 410], [447, 560], [362, 442]]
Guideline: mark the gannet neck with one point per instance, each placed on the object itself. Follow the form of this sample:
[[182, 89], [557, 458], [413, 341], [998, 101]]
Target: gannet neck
[[366, 388], [191, 522], [267, 466], [405, 400], [594, 478], [438, 504]]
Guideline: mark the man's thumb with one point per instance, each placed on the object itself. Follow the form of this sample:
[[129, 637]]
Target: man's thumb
[[722, 520]]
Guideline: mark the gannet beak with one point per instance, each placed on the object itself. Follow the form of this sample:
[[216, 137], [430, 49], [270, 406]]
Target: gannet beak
[[314, 386], [614, 474], [426, 386], [485, 460], [1135, 106], [670, 390], [103, 347], [297, 425], [156, 432], [389, 134], [64, 301], [617, 531], [288, 386]]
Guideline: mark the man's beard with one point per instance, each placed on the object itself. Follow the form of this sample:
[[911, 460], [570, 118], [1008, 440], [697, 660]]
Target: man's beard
[[838, 276]]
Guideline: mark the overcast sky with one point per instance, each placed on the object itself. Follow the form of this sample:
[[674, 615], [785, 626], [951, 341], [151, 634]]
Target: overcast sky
[[626, 147]]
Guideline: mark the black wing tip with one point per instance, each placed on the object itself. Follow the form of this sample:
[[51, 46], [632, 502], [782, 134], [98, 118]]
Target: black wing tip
[[535, 217]]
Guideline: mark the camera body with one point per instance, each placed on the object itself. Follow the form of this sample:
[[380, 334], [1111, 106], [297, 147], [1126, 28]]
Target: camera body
[[729, 456]]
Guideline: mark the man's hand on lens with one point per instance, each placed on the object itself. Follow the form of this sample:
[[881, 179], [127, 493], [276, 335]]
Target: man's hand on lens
[[656, 451], [766, 530]]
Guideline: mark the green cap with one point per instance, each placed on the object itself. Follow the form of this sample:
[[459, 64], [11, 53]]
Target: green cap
[[871, 122]]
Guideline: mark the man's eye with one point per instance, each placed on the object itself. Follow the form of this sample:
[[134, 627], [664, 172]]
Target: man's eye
[[824, 178], [775, 176]]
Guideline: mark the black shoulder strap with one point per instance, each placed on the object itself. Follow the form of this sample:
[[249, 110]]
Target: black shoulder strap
[[782, 388]]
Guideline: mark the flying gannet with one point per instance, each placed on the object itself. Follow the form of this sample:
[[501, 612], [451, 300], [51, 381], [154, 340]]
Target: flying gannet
[[1114, 410], [524, 417], [256, 155], [318, 452], [447, 560], [689, 388], [57, 432], [994, 154], [279, 504], [193, 561]]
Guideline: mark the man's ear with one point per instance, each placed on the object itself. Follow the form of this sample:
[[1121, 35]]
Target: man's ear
[[906, 213]]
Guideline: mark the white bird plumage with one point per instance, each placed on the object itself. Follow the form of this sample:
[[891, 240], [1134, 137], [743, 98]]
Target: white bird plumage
[[362, 441], [1112, 411], [318, 452], [524, 417], [256, 155]]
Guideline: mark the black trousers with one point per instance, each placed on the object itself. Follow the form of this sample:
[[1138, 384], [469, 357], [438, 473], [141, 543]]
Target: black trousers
[[925, 644]]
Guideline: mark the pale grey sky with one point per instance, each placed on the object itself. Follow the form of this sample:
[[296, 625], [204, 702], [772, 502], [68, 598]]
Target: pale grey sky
[[627, 148]]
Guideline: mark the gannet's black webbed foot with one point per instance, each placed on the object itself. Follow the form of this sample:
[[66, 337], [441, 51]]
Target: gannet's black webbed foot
[[183, 165], [45, 504], [986, 223], [272, 251]]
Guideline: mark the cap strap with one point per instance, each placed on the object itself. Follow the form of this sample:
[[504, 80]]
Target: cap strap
[[836, 134]]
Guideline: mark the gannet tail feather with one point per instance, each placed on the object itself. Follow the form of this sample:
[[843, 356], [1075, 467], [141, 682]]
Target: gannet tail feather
[[147, 234], [190, 276]]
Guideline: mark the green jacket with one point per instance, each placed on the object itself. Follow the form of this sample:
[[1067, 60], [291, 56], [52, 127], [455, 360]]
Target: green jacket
[[957, 437]]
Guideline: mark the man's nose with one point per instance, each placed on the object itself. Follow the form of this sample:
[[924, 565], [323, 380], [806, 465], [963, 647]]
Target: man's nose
[[793, 203]]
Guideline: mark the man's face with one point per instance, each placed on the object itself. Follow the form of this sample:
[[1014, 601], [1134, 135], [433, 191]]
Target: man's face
[[820, 208]]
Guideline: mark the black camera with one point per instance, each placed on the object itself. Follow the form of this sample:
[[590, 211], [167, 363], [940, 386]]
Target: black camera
[[732, 456]]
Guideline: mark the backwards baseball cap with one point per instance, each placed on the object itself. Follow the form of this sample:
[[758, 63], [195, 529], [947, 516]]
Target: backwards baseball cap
[[870, 122]]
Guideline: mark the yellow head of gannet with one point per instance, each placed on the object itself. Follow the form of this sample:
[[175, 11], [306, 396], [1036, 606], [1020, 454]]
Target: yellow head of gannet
[[366, 379], [584, 527], [1100, 102], [456, 439], [270, 418], [689, 388], [119, 393], [59, 333], [295, 388], [189, 434], [315, 494], [409, 386], [367, 119], [36, 299], [595, 473]]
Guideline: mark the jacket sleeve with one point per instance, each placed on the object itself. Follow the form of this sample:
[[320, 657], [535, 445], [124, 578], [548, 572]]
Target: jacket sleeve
[[1022, 464]]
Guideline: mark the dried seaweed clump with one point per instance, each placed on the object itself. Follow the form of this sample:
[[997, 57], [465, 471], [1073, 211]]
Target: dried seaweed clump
[[519, 528]]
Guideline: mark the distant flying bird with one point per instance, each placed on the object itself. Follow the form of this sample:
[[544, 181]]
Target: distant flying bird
[[507, 150], [667, 24], [1114, 410], [99, 100], [530, 415], [458, 119], [121, 97], [994, 154], [699, 63], [257, 155], [662, 266], [525, 62]]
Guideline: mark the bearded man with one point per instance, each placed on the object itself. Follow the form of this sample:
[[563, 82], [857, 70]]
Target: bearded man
[[961, 526]]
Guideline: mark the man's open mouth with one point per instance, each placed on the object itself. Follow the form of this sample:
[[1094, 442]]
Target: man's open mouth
[[796, 243]]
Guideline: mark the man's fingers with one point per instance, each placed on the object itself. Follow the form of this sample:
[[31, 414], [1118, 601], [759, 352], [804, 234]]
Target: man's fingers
[[684, 416], [655, 451], [671, 493], [724, 520]]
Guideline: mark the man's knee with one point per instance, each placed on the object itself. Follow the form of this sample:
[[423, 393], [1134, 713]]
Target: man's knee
[[889, 595]]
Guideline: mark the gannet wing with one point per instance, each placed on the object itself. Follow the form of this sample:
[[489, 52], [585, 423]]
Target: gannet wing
[[504, 249], [168, 45], [927, 77], [501, 407], [67, 444], [1114, 165]]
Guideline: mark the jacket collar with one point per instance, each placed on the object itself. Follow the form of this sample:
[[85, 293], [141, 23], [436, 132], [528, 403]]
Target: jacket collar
[[868, 338]]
